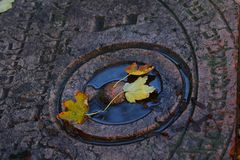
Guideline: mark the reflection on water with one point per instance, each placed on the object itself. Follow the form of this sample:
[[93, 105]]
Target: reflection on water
[[125, 112]]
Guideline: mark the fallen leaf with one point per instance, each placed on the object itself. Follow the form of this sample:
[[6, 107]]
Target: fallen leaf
[[134, 70], [234, 148], [5, 5], [75, 111], [137, 90]]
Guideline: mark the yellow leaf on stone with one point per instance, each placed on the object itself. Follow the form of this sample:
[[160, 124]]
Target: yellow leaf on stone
[[5, 5], [75, 111], [134, 70], [137, 90]]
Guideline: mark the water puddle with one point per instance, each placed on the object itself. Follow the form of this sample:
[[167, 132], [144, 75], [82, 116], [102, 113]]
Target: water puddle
[[124, 112]]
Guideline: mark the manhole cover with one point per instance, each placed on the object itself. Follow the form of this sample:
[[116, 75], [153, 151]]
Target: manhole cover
[[51, 49], [125, 122]]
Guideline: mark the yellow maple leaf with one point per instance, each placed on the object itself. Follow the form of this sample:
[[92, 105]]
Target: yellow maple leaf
[[5, 5], [75, 111], [137, 90], [134, 70]]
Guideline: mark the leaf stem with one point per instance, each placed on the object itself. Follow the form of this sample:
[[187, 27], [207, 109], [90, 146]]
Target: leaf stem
[[94, 113], [120, 80], [112, 101]]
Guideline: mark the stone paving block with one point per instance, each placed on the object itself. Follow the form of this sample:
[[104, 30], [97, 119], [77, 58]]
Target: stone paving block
[[39, 39]]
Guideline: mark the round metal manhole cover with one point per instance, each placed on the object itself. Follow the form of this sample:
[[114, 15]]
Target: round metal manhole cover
[[124, 122], [39, 39]]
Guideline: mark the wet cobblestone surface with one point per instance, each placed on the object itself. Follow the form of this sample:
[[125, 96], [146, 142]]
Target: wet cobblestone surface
[[38, 39]]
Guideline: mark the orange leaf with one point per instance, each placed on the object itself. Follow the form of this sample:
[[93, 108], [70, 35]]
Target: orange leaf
[[234, 149], [134, 70], [75, 111]]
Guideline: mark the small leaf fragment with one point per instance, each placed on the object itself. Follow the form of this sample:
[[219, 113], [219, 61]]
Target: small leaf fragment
[[5, 5], [234, 151], [137, 90], [75, 111], [134, 70]]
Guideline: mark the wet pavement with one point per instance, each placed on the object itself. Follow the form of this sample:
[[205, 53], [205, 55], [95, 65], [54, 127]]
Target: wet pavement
[[46, 45]]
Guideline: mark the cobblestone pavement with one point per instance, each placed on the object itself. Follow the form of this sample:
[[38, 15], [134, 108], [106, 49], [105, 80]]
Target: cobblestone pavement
[[38, 39]]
